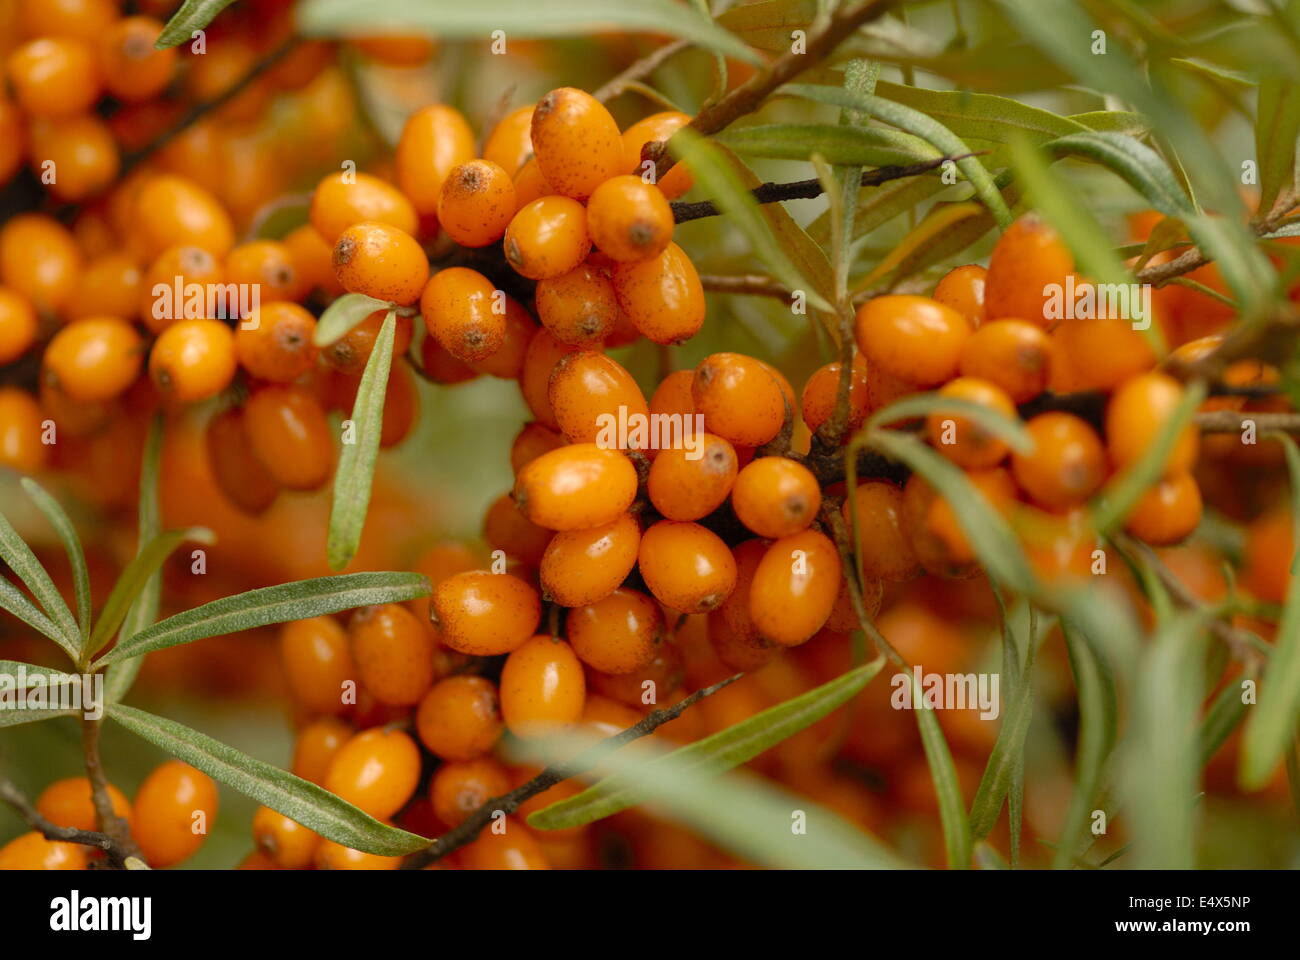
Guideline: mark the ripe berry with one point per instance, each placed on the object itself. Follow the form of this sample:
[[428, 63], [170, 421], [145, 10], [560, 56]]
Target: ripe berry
[[618, 634], [68, 803], [289, 434], [673, 395], [582, 566], [269, 265], [185, 265], [531, 442], [576, 141], [134, 69], [687, 567], [1012, 354], [1135, 417], [31, 851], [54, 76], [1058, 545], [578, 307], [543, 353], [393, 652], [932, 525], [516, 849], [477, 203], [733, 635], [316, 746], [794, 588], [377, 770], [576, 487], [962, 440], [82, 152], [193, 360], [530, 185], [318, 663], [460, 787], [1027, 259], [542, 688], [460, 717], [912, 338], [506, 529], [691, 481], [589, 393], [174, 809], [884, 549], [629, 220], [172, 211], [1168, 512], [313, 260], [776, 497], [434, 141], [350, 353], [275, 342], [289, 844], [1066, 465], [547, 237], [510, 143], [111, 286], [338, 204], [822, 390], [380, 261], [94, 359], [485, 614], [962, 289], [656, 127], [83, 19], [740, 399], [39, 259], [662, 295], [335, 856], [459, 309], [20, 431]]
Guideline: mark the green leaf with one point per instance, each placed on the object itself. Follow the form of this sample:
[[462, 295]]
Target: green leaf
[[356, 469], [15, 601], [1120, 496], [193, 15], [1140, 166], [768, 23], [724, 750], [1277, 125], [914, 122], [739, 811], [15, 552], [1224, 716], [716, 178], [943, 773], [1271, 725], [343, 314], [520, 18], [71, 545], [300, 800], [981, 116], [278, 604], [12, 693], [149, 522], [1011, 431], [1007, 756], [16, 718], [147, 562], [879, 205], [858, 146], [1114, 121]]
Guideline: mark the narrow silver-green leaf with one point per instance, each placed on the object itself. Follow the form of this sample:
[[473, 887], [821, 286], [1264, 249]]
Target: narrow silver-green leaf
[[1115, 121], [981, 116], [841, 145], [15, 552], [1140, 166], [300, 800], [193, 15], [278, 604], [1007, 754], [343, 314], [943, 773], [71, 545], [1277, 125], [15, 601], [1224, 716], [356, 469], [1012, 432], [14, 709]]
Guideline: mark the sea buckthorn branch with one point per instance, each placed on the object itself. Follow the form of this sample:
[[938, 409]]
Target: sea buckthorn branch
[[118, 854], [639, 70], [747, 97], [508, 803], [123, 845]]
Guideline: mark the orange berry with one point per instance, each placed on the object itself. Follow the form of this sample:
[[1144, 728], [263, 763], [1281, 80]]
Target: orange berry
[[932, 525], [335, 856], [1058, 545], [393, 652], [1067, 464], [510, 143], [629, 220], [1168, 512], [506, 529], [289, 435], [794, 588], [316, 746], [687, 567], [507, 361], [617, 634], [689, 482], [172, 211], [776, 497], [547, 237], [434, 141], [733, 635], [313, 260], [338, 204], [1012, 354], [516, 849], [13, 145], [94, 359], [173, 812], [396, 50], [673, 395], [377, 770], [20, 431], [350, 353], [590, 394], [54, 76], [531, 442], [460, 717], [1103, 351], [275, 342], [477, 203], [134, 69], [237, 471], [656, 127], [962, 440], [169, 282], [459, 307], [529, 183], [289, 844], [460, 787], [268, 265], [540, 358], [31, 851], [1027, 259], [193, 360], [912, 338], [80, 152], [485, 614], [542, 688], [576, 487], [68, 803], [885, 551], [578, 307], [110, 287], [576, 141], [582, 566], [962, 289], [381, 262], [1136, 416], [83, 19], [740, 399], [39, 260], [1269, 554], [318, 663], [822, 391], [17, 325], [662, 295]]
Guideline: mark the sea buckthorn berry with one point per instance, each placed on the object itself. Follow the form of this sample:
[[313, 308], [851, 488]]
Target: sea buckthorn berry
[[1168, 512], [169, 284], [530, 443], [687, 567], [68, 803], [844, 615], [17, 325], [289, 434], [576, 487], [377, 770], [318, 663], [401, 406], [434, 141], [460, 787], [962, 289], [1028, 258], [477, 203], [275, 343], [460, 718], [338, 204], [174, 810], [690, 481], [733, 635], [393, 652], [172, 211], [590, 394], [350, 353], [1012, 354], [618, 634], [79, 150], [516, 849], [335, 856], [578, 307], [269, 265], [1104, 351], [506, 529], [134, 69], [396, 49], [193, 360], [530, 185], [776, 497], [547, 237], [1136, 416], [662, 295], [1067, 464], [83, 19], [94, 359], [543, 353], [507, 361], [822, 391], [962, 440], [237, 471], [653, 683], [932, 525], [381, 262], [915, 339], [459, 307], [885, 550], [582, 566], [39, 260], [576, 141], [485, 614], [543, 688], [110, 287], [289, 844], [740, 399], [605, 717], [316, 746], [629, 219], [1058, 546], [31, 851], [313, 260], [673, 395], [656, 127], [13, 141], [510, 143], [794, 588], [54, 76], [20, 431]]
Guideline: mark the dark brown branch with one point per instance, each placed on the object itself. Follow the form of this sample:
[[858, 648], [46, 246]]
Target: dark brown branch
[[1231, 421], [508, 803], [639, 70], [122, 846], [11, 795]]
